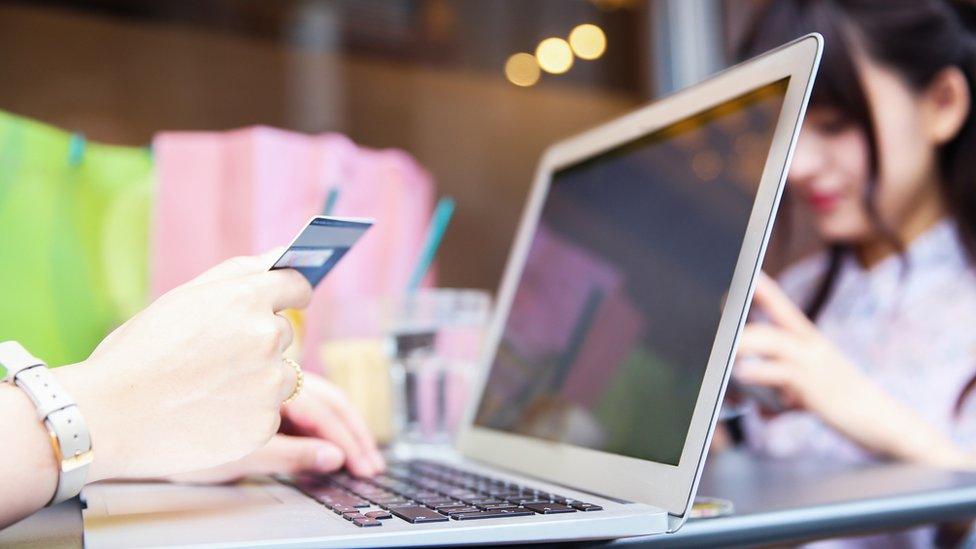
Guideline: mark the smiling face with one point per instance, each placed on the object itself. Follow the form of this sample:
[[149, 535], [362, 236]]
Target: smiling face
[[831, 165]]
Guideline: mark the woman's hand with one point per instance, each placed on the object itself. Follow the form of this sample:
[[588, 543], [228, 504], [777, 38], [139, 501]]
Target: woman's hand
[[790, 355], [194, 380], [321, 431]]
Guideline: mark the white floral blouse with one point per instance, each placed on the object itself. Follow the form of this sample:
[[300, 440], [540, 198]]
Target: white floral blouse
[[910, 326]]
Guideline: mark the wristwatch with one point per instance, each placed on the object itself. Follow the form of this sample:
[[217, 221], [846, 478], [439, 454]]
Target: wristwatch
[[59, 414]]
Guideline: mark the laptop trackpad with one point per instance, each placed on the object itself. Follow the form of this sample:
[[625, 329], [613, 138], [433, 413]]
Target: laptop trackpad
[[143, 498]]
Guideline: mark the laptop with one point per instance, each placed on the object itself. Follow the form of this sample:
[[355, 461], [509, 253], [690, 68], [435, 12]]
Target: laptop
[[605, 363]]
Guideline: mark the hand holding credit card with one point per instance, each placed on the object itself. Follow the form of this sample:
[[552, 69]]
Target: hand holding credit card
[[320, 245]]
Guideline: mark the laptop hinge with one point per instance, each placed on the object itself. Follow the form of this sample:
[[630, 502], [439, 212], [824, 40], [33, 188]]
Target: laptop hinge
[[675, 522]]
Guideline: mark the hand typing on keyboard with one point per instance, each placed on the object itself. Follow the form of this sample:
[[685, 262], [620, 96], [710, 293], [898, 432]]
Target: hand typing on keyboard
[[426, 491], [321, 432]]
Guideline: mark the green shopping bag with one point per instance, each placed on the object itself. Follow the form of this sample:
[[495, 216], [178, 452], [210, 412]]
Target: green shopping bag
[[74, 222]]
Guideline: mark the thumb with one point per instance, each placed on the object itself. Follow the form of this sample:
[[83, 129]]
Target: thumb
[[282, 454], [239, 266], [290, 454]]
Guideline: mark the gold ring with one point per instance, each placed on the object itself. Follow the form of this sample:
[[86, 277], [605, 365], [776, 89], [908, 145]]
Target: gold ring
[[299, 380]]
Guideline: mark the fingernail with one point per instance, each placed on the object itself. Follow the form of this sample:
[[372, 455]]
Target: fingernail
[[328, 457], [366, 465], [379, 462]]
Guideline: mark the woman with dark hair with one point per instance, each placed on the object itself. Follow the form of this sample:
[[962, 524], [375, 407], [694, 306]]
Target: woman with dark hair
[[871, 344]]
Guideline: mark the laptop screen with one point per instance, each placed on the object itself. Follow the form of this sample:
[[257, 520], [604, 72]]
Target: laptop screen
[[614, 316]]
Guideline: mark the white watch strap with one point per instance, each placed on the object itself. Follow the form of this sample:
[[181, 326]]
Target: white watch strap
[[57, 410], [76, 451], [14, 358], [43, 388]]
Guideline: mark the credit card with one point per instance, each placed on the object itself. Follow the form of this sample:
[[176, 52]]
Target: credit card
[[321, 244]]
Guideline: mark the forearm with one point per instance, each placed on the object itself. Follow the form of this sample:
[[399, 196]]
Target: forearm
[[888, 427], [28, 467], [28, 472]]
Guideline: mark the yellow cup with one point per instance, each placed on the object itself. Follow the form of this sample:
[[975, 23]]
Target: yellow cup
[[361, 368]]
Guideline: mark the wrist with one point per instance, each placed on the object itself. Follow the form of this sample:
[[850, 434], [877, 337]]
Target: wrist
[[17, 409], [81, 383], [903, 435], [927, 446]]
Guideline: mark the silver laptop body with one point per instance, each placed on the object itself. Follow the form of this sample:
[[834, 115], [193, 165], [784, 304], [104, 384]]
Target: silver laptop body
[[608, 355]]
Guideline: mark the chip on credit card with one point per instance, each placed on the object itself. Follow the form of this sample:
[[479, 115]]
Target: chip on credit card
[[321, 244]]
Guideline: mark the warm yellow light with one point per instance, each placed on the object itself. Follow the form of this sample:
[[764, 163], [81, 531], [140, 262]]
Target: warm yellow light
[[554, 55], [522, 70], [588, 41]]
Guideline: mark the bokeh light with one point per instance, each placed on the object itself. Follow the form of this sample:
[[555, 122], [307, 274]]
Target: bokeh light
[[554, 55], [521, 69], [588, 41], [707, 165]]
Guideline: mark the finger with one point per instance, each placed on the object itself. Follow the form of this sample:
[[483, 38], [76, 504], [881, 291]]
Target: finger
[[239, 266], [313, 416], [766, 340], [281, 455], [286, 333], [764, 373], [780, 308], [282, 289], [355, 422], [288, 454]]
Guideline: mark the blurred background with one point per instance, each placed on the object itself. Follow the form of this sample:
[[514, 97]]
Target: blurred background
[[425, 76]]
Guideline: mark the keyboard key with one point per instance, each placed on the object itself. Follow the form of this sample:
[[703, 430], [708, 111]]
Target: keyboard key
[[504, 493], [352, 515], [344, 499], [484, 501], [394, 505], [457, 510], [501, 513], [495, 506], [392, 499], [366, 522], [526, 501], [450, 505], [417, 514], [378, 515], [549, 508], [586, 506], [340, 509], [434, 502], [461, 493]]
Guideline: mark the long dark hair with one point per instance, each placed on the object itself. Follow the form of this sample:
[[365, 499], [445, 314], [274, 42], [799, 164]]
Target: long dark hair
[[915, 38]]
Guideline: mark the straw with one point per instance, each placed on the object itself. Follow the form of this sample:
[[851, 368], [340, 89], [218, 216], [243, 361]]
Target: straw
[[330, 201], [435, 233], [76, 149]]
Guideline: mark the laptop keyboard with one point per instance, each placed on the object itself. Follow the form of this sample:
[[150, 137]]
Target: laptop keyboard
[[424, 491]]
